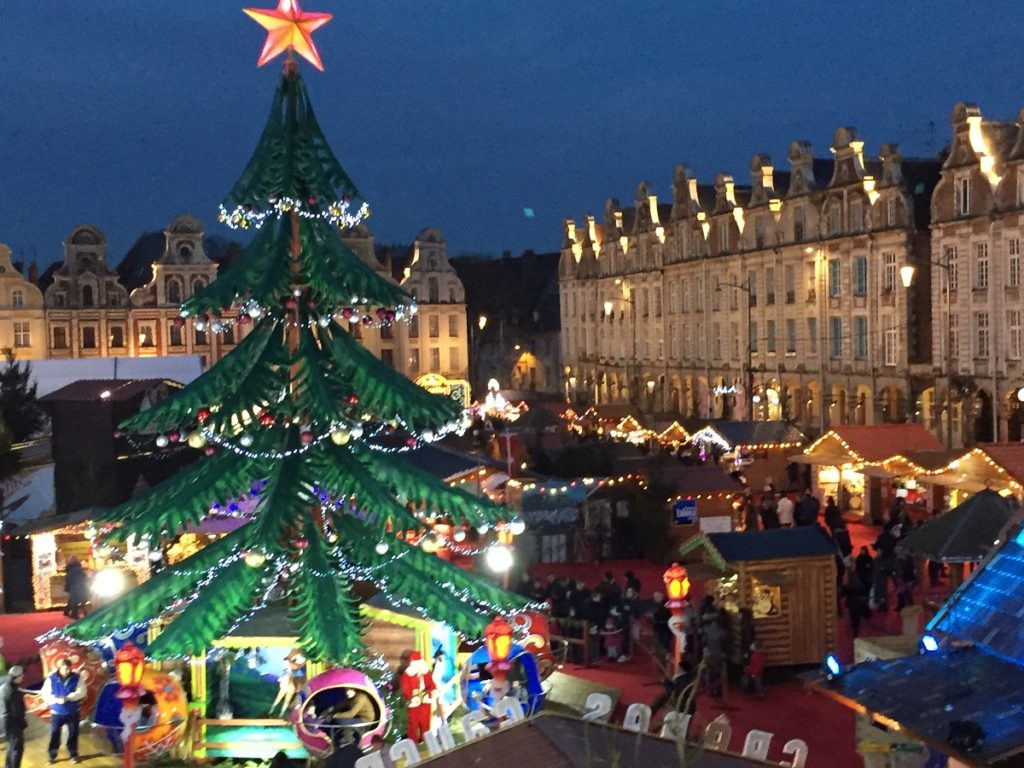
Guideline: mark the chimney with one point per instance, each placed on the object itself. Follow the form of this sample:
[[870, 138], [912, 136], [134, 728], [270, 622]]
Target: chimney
[[33, 273]]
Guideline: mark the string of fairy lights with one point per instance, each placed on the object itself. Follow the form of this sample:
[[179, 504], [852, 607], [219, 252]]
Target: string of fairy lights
[[339, 213]]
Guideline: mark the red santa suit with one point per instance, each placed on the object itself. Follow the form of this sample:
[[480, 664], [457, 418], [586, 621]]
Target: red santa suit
[[418, 689]]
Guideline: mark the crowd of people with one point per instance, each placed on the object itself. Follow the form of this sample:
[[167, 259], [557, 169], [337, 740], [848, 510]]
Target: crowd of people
[[864, 580], [601, 619]]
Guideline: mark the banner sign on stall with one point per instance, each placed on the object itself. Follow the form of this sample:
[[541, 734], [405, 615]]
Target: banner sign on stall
[[684, 512]]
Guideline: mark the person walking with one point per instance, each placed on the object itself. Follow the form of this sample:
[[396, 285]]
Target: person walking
[[769, 514], [77, 587], [833, 515], [63, 691], [12, 716], [784, 508]]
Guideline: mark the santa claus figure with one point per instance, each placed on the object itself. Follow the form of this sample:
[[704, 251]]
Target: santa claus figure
[[418, 689]]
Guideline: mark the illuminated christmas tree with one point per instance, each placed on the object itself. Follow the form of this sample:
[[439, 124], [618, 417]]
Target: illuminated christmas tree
[[301, 417]]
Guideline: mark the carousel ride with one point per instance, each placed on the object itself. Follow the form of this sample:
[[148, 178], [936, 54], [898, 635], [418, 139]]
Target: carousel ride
[[337, 707]]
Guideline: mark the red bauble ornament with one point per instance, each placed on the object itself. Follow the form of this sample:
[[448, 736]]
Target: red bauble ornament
[[347, 313], [174, 436], [411, 442], [391, 314], [291, 304], [381, 313], [301, 543], [209, 450], [353, 399], [266, 418], [203, 414], [244, 320], [118, 434], [311, 200], [306, 436], [179, 322]]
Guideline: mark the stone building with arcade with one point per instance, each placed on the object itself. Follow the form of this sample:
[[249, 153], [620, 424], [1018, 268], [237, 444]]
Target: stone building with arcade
[[854, 288]]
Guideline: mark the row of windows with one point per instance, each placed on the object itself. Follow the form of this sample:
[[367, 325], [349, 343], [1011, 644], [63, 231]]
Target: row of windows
[[983, 266], [962, 202], [433, 327], [89, 335], [983, 337], [388, 356], [691, 338], [87, 297]]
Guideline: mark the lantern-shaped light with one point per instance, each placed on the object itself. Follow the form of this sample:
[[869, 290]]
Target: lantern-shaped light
[[498, 639], [129, 662], [677, 583]]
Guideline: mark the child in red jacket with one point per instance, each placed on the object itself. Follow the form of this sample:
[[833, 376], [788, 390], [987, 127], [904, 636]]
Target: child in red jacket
[[755, 671]]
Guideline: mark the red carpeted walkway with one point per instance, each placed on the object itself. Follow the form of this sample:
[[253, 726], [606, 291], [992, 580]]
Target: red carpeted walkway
[[787, 710], [19, 632]]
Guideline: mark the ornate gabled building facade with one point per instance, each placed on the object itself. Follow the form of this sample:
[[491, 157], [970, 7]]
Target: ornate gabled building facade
[[86, 304], [156, 326], [22, 319], [437, 337], [976, 288], [86, 308], [778, 300]]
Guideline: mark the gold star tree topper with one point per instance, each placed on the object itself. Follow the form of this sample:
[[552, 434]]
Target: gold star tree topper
[[289, 28]]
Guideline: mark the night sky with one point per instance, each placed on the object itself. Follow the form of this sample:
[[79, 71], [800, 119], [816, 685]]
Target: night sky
[[460, 114]]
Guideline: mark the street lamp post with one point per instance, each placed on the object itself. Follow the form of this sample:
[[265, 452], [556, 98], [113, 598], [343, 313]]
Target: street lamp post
[[129, 663], [677, 587], [907, 278], [474, 373], [745, 287], [498, 639]]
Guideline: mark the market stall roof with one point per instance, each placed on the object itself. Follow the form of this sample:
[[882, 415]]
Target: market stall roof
[[55, 523], [926, 693], [106, 390], [29, 495], [964, 534], [986, 609], [762, 434], [51, 375], [557, 741], [674, 433], [868, 444], [979, 468], [1009, 456], [610, 412], [446, 464], [679, 477], [273, 620], [772, 544], [629, 424]]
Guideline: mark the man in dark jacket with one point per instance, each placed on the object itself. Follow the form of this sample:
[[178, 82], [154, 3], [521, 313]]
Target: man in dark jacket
[[12, 702]]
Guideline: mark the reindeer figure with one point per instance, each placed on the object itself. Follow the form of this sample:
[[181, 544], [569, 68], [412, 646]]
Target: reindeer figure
[[289, 683]]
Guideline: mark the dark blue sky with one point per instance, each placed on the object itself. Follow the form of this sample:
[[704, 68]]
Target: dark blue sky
[[460, 113]]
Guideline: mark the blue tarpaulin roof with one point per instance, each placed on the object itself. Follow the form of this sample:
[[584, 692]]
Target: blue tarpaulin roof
[[988, 608], [925, 694]]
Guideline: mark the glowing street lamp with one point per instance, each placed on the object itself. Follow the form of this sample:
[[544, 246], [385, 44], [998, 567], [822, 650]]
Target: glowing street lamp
[[677, 587], [129, 664], [498, 639]]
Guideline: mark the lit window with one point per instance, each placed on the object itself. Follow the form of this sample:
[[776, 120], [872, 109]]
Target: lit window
[[22, 334]]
